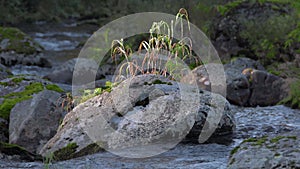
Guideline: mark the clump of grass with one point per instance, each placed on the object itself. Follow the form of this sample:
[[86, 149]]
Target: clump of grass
[[87, 94], [159, 54]]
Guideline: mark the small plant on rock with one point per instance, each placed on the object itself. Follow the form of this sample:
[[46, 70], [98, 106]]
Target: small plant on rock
[[161, 54]]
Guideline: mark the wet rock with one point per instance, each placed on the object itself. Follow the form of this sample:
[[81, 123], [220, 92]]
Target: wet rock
[[18, 48], [33, 122], [12, 58], [276, 151], [4, 72], [143, 109], [262, 121], [64, 73], [3, 130]]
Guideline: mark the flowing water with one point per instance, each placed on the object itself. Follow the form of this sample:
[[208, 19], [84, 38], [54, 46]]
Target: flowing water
[[61, 41], [251, 122]]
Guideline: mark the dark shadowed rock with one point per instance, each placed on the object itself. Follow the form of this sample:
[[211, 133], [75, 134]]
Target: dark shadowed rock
[[3, 130], [4, 72], [143, 109], [266, 89], [238, 86], [12, 58], [33, 122], [64, 73], [248, 84]]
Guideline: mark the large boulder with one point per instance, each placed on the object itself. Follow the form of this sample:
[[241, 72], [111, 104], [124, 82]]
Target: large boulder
[[279, 151], [18, 48], [248, 84], [139, 111], [33, 122], [238, 85], [266, 89]]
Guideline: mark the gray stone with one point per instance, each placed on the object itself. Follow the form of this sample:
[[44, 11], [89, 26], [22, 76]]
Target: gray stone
[[12, 58], [144, 109], [33, 122], [276, 151]]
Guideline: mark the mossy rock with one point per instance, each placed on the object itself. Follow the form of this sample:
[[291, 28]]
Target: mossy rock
[[54, 87], [70, 151], [13, 39], [11, 99], [293, 100], [267, 152], [13, 149]]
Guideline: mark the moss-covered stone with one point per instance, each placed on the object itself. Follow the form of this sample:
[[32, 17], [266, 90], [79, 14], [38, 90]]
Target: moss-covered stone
[[4, 83], [18, 79], [70, 151], [11, 99], [13, 149], [13, 39], [234, 150], [65, 153], [293, 100], [276, 139], [256, 141], [54, 88], [157, 81]]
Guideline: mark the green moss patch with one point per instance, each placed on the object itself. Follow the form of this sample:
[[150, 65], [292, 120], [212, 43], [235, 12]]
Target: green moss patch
[[293, 100], [4, 83], [17, 41], [157, 81], [256, 141], [54, 88], [18, 79], [224, 9], [88, 94], [65, 153], [276, 139], [70, 151], [13, 149], [11, 99], [233, 151]]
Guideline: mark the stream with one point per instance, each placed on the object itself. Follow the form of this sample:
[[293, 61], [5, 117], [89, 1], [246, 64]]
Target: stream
[[251, 122], [61, 41]]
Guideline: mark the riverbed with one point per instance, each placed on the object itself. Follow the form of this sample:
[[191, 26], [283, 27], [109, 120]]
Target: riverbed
[[63, 41]]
